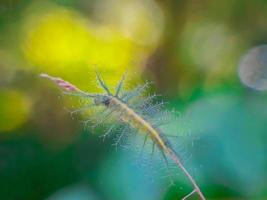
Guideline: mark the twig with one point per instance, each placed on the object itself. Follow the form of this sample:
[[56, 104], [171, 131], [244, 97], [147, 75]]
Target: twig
[[175, 158]]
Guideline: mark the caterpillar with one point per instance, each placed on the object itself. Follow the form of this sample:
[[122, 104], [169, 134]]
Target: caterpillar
[[117, 105]]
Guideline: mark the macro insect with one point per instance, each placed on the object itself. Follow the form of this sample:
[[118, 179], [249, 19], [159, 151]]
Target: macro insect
[[136, 117]]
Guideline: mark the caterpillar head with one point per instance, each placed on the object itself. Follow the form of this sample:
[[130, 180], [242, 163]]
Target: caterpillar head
[[101, 100]]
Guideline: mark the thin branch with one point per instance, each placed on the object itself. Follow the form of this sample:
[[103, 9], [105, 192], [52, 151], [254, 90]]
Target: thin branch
[[175, 158], [190, 194]]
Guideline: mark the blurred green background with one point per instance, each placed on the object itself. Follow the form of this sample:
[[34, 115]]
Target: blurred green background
[[189, 49]]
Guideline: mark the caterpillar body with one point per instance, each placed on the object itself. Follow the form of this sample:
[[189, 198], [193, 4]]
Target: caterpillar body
[[117, 105]]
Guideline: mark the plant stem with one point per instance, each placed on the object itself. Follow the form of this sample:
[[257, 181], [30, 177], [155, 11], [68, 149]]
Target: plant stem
[[175, 158]]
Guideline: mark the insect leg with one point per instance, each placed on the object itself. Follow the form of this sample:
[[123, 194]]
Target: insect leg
[[113, 127], [118, 140], [102, 83], [81, 109], [94, 119], [86, 123], [153, 149], [103, 118], [144, 142], [168, 167], [145, 102], [153, 109], [120, 85], [136, 92], [141, 152]]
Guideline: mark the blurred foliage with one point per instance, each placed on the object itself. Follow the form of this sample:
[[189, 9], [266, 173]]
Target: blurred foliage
[[191, 50]]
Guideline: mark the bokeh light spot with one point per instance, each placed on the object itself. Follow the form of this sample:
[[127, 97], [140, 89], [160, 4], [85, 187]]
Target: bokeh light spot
[[59, 41], [61, 38], [203, 43], [14, 109], [253, 68], [141, 21]]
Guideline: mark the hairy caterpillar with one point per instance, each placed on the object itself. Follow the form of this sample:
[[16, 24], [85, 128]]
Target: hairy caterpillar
[[117, 105]]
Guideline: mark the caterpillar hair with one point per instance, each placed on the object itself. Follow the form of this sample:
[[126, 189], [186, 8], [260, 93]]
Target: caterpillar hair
[[138, 117]]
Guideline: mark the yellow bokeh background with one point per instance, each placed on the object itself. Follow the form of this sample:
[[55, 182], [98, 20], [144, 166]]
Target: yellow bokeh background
[[14, 109], [62, 42]]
